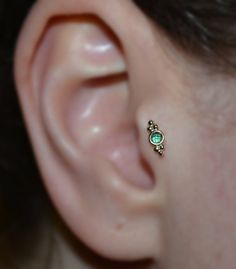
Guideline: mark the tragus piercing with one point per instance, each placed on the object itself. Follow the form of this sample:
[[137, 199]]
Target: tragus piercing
[[156, 137]]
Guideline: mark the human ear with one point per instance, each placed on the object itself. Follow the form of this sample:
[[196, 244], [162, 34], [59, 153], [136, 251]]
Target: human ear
[[75, 73]]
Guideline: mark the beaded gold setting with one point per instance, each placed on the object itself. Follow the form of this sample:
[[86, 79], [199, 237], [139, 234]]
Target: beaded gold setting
[[156, 138]]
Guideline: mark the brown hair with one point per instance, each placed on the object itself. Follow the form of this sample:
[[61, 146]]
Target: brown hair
[[204, 28]]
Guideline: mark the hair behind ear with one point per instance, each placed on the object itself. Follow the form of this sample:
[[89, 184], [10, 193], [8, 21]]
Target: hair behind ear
[[24, 204], [204, 29]]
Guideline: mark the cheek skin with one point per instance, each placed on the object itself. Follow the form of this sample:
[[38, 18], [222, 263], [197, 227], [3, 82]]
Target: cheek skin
[[200, 220]]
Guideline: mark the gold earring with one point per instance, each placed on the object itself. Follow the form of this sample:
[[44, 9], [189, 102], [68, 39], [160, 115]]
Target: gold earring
[[156, 137]]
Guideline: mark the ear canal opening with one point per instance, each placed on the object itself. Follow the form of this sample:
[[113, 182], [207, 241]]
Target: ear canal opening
[[145, 167], [147, 170]]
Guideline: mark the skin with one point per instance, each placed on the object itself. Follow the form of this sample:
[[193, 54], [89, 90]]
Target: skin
[[88, 86]]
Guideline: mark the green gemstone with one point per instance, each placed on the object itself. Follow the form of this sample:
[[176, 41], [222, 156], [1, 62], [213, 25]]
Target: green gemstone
[[156, 138]]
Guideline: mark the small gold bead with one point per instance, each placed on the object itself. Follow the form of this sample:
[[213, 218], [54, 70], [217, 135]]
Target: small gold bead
[[156, 126]]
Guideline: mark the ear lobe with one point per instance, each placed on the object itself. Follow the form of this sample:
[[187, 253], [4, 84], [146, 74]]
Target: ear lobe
[[86, 141]]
